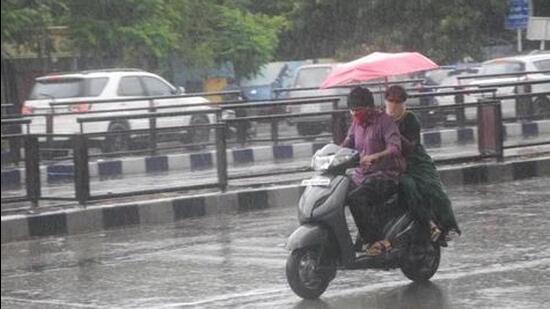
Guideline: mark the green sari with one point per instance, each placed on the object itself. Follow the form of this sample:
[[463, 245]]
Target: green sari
[[421, 188]]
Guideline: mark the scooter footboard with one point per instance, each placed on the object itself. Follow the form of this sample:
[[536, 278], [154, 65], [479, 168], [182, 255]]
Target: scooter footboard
[[307, 235]]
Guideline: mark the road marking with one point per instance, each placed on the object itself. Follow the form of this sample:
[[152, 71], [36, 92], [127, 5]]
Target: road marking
[[50, 302]]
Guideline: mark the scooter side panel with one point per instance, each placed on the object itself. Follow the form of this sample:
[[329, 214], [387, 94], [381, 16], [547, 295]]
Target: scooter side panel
[[307, 235], [314, 196], [331, 212], [336, 199]]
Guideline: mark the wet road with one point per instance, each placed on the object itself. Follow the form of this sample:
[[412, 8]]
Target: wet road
[[237, 261]]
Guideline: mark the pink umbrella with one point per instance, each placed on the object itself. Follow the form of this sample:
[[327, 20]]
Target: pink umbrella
[[377, 65]]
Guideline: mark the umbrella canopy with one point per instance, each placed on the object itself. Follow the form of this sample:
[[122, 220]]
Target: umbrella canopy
[[377, 65]]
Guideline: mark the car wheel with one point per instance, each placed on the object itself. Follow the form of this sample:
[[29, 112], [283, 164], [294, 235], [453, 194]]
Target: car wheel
[[117, 142]]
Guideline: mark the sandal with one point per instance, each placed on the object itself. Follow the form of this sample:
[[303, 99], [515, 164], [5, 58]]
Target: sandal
[[435, 232], [378, 247]]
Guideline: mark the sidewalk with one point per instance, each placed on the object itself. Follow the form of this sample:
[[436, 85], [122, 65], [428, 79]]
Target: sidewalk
[[148, 210]]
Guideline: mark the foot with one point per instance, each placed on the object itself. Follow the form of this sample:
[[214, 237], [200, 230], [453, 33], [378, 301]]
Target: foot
[[451, 235], [435, 233], [378, 247]]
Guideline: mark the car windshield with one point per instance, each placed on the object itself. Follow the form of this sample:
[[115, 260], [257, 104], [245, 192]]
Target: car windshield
[[502, 67], [267, 75], [67, 88], [435, 77], [311, 77]]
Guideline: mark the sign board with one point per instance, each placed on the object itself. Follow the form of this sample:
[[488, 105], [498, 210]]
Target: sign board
[[518, 14], [539, 29]]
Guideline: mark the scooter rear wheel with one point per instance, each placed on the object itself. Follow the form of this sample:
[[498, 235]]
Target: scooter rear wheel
[[307, 273], [421, 261]]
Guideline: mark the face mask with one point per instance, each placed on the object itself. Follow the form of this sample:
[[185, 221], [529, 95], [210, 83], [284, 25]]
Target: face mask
[[362, 115]]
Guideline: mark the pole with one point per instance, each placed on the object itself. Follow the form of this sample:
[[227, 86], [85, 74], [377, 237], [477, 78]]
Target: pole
[[520, 48], [81, 169], [32, 170], [221, 155], [152, 128]]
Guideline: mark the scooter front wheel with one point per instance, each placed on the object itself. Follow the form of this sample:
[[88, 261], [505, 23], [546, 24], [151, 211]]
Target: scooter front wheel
[[307, 273]]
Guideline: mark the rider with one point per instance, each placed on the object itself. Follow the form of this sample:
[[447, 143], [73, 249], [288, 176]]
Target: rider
[[421, 188], [376, 136]]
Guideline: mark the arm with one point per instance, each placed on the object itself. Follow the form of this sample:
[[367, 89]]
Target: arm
[[410, 136], [392, 139], [349, 141]]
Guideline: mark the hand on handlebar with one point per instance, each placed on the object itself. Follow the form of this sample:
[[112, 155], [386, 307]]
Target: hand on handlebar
[[368, 160]]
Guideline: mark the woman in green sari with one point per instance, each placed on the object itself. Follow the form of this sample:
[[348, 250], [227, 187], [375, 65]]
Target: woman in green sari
[[420, 187]]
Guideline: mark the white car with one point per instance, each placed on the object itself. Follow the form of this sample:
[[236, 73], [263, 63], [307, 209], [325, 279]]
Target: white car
[[311, 76], [516, 64], [87, 86], [450, 83]]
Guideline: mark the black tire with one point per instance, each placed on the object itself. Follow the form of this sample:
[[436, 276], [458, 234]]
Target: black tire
[[541, 107], [117, 142], [421, 262], [198, 135], [306, 276]]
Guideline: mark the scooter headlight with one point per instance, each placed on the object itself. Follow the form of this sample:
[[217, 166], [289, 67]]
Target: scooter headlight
[[321, 163]]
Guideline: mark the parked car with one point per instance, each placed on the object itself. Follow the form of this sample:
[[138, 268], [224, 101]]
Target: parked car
[[451, 82], [516, 64], [311, 76], [85, 86]]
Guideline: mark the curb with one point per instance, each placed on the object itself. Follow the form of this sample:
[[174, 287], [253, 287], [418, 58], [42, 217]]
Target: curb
[[207, 160], [162, 211]]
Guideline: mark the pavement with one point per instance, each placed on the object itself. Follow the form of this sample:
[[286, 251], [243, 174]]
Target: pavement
[[237, 260]]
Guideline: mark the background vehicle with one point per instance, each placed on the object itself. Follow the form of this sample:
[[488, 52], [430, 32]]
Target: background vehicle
[[311, 76], [261, 85], [83, 87], [452, 80], [516, 64]]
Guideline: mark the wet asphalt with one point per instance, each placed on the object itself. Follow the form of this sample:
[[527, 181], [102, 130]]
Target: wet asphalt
[[237, 261]]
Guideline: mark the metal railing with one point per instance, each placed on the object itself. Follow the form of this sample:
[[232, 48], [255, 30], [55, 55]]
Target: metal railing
[[490, 143], [481, 76]]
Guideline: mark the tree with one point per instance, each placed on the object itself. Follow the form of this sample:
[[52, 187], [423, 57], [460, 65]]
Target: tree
[[446, 30], [25, 26], [247, 40], [145, 33], [122, 33]]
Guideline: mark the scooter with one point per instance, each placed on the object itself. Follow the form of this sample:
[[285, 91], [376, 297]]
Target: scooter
[[323, 241]]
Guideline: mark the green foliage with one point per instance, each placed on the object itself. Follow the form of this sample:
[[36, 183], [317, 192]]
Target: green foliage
[[24, 23], [247, 40], [146, 33], [249, 33], [127, 33], [211, 34], [446, 30]]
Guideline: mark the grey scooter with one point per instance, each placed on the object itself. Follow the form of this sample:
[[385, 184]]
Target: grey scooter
[[323, 242]]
